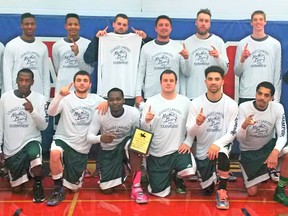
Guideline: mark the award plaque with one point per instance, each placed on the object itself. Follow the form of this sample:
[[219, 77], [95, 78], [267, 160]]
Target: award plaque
[[141, 141]]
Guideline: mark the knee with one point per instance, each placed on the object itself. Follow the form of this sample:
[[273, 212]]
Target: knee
[[285, 158], [223, 162], [252, 191], [55, 156]]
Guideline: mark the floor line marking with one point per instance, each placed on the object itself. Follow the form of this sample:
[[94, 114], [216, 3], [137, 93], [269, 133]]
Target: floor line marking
[[73, 204]]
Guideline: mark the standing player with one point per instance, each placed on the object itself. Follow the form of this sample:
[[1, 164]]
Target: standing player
[[22, 116], [158, 55], [69, 150], [26, 51], [212, 120], [205, 49], [258, 122], [258, 58], [68, 53], [165, 115]]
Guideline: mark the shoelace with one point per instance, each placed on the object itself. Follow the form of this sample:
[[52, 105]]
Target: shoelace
[[222, 194]]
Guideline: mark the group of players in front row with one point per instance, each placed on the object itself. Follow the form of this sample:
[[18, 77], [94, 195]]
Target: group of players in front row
[[211, 122]]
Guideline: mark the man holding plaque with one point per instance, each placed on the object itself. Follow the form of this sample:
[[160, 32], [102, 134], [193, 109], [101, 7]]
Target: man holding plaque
[[165, 115], [116, 128]]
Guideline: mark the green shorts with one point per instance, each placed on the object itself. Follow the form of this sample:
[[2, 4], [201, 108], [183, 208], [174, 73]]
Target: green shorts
[[19, 164], [252, 164], [160, 170], [74, 164], [111, 165], [206, 170]]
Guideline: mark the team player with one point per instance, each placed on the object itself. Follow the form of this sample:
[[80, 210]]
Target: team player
[[205, 49], [69, 150], [165, 115], [158, 55], [116, 127], [22, 116], [1, 65], [258, 121], [26, 51], [258, 58], [118, 57], [68, 53], [212, 120]]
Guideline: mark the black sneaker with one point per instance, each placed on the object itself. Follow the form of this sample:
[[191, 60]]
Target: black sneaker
[[38, 193], [180, 187], [56, 197]]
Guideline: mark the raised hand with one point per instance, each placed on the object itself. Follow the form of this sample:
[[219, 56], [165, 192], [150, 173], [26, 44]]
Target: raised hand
[[65, 90], [141, 33], [74, 47], [200, 118], [102, 32], [245, 54], [214, 52], [149, 115], [248, 121], [28, 105], [184, 52]]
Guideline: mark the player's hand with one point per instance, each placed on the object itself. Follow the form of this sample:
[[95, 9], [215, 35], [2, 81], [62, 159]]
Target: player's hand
[[214, 52], [200, 118], [184, 148], [248, 121], [141, 33], [245, 54], [138, 100], [102, 108], [272, 159], [213, 152], [28, 105], [184, 52], [65, 90], [74, 47], [107, 138], [149, 115], [102, 32]]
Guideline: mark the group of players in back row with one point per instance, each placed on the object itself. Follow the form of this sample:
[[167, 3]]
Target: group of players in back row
[[210, 119]]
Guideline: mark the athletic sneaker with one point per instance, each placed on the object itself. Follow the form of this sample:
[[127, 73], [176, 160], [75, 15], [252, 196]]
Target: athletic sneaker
[[38, 193], [180, 187], [56, 197], [138, 195], [87, 173], [222, 201], [274, 175], [232, 177], [280, 196]]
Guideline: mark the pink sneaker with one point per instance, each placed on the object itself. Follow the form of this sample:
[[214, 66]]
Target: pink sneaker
[[138, 195]]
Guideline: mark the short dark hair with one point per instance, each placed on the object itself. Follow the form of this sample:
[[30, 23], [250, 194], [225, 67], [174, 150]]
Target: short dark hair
[[124, 16], [216, 69], [27, 15], [168, 72], [71, 15], [204, 11], [258, 12], [81, 72], [115, 90], [267, 85], [25, 70], [163, 17]]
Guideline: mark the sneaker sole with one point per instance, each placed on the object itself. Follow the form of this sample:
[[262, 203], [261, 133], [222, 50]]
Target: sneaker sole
[[38, 201], [222, 207], [139, 201]]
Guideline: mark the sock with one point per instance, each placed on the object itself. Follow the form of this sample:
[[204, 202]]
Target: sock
[[136, 179], [222, 183], [37, 180], [283, 181], [58, 182]]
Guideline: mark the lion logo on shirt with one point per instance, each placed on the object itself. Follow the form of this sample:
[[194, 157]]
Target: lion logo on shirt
[[69, 59], [120, 55], [201, 56], [260, 129], [30, 61], [169, 118], [162, 60], [258, 58]]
